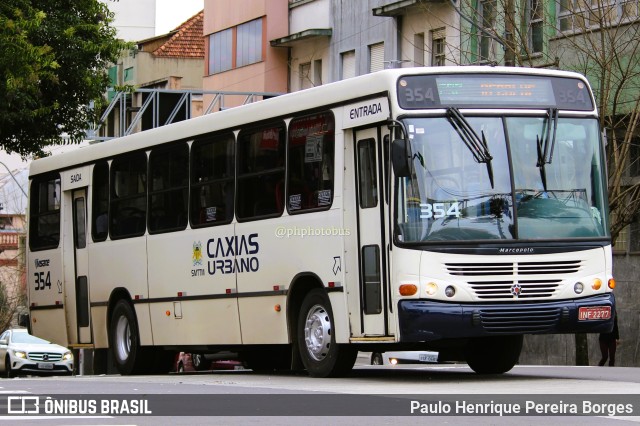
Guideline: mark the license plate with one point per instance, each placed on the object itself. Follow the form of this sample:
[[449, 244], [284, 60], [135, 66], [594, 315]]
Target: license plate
[[428, 357], [594, 313], [45, 366]]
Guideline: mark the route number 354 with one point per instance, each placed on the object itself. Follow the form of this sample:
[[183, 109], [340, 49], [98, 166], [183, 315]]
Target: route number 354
[[439, 210], [42, 281]]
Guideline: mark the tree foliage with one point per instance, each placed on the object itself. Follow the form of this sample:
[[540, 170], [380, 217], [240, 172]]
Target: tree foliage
[[53, 62]]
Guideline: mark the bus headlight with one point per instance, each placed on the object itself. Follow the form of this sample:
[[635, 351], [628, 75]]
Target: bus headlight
[[450, 291], [578, 287], [432, 288]]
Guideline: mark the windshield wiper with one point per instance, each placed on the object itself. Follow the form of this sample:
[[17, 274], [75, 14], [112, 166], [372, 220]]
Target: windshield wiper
[[546, 144], [476, 144]]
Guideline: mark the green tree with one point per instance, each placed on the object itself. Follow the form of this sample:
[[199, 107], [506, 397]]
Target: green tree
[[53, 63]]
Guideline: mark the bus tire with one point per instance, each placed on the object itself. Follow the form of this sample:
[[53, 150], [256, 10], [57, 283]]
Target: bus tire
[[493, 355], [321, 355], [124, 340]]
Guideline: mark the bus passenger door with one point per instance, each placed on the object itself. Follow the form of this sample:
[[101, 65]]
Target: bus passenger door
[[372, 238], [76, 270]]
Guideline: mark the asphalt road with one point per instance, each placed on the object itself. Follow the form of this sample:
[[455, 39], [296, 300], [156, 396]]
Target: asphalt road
[[371, 395]]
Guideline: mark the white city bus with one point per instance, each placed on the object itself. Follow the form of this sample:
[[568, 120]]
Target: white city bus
[[452, 209]]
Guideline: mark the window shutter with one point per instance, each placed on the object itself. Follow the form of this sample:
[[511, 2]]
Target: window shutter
[[376, 57]]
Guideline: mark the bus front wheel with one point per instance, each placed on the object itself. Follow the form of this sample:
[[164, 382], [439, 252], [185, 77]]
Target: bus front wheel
[[125, 344], [321, 355], [493, 355]]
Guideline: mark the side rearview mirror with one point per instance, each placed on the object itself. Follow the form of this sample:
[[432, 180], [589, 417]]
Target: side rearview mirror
[[400, 158], [3, 342]]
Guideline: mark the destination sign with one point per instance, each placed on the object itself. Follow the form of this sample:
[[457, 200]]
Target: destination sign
[[493, 91]]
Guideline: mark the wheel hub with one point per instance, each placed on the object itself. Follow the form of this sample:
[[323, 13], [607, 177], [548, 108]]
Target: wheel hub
[[317, 332], [123, 339]]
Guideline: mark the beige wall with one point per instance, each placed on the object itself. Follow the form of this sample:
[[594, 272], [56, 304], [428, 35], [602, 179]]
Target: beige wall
[[271, 74], [149, 68], [424, 19]]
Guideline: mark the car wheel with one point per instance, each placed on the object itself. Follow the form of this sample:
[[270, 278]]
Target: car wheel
[[321, 355], [199, 362], [376, 359], [124, 340], [8, 371]]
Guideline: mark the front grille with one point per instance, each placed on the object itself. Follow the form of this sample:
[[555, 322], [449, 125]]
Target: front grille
[[532, 320], [45, 356], [499, 281]]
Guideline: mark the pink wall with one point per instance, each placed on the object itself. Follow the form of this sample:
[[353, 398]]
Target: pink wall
[[271, 74]]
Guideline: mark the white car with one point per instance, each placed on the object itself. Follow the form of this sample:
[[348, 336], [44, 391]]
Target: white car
[[404, 357], [22, 353]]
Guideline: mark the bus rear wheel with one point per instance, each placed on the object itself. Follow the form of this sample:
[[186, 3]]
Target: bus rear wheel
[[124, 340], [321, 355], [493, 355]]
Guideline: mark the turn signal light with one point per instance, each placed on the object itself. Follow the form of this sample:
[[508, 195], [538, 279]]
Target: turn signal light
[[408, 289], [597, 283], [611, 283]]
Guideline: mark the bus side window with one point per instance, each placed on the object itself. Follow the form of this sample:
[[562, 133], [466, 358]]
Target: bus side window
[[212, 180], [168, 188], [311, 159], [100, 200], [128, 203], [261, 158], [44, 223]]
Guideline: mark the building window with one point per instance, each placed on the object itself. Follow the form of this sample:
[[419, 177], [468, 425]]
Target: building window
[[249, 43], [348, 61], [487, 19], [128, 74], [535, 14], [317, 72], [310, 167], [305, 76], [634, 157], [376, 57], [634, 235], [579, 15], [220, 51], [212, 175], [418, 50], [247, 39], [261, 158], [629, 10], [621, 244], [438, 43]]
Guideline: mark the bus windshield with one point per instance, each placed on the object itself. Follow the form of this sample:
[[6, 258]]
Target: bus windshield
[[509, 178]]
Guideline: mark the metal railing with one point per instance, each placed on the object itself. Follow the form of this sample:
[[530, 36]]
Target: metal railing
[[122, 104]]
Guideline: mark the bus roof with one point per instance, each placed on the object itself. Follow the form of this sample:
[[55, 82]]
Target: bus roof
[[342, 91]]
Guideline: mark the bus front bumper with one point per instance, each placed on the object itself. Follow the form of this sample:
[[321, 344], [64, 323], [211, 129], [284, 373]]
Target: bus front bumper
[[428, 320]]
